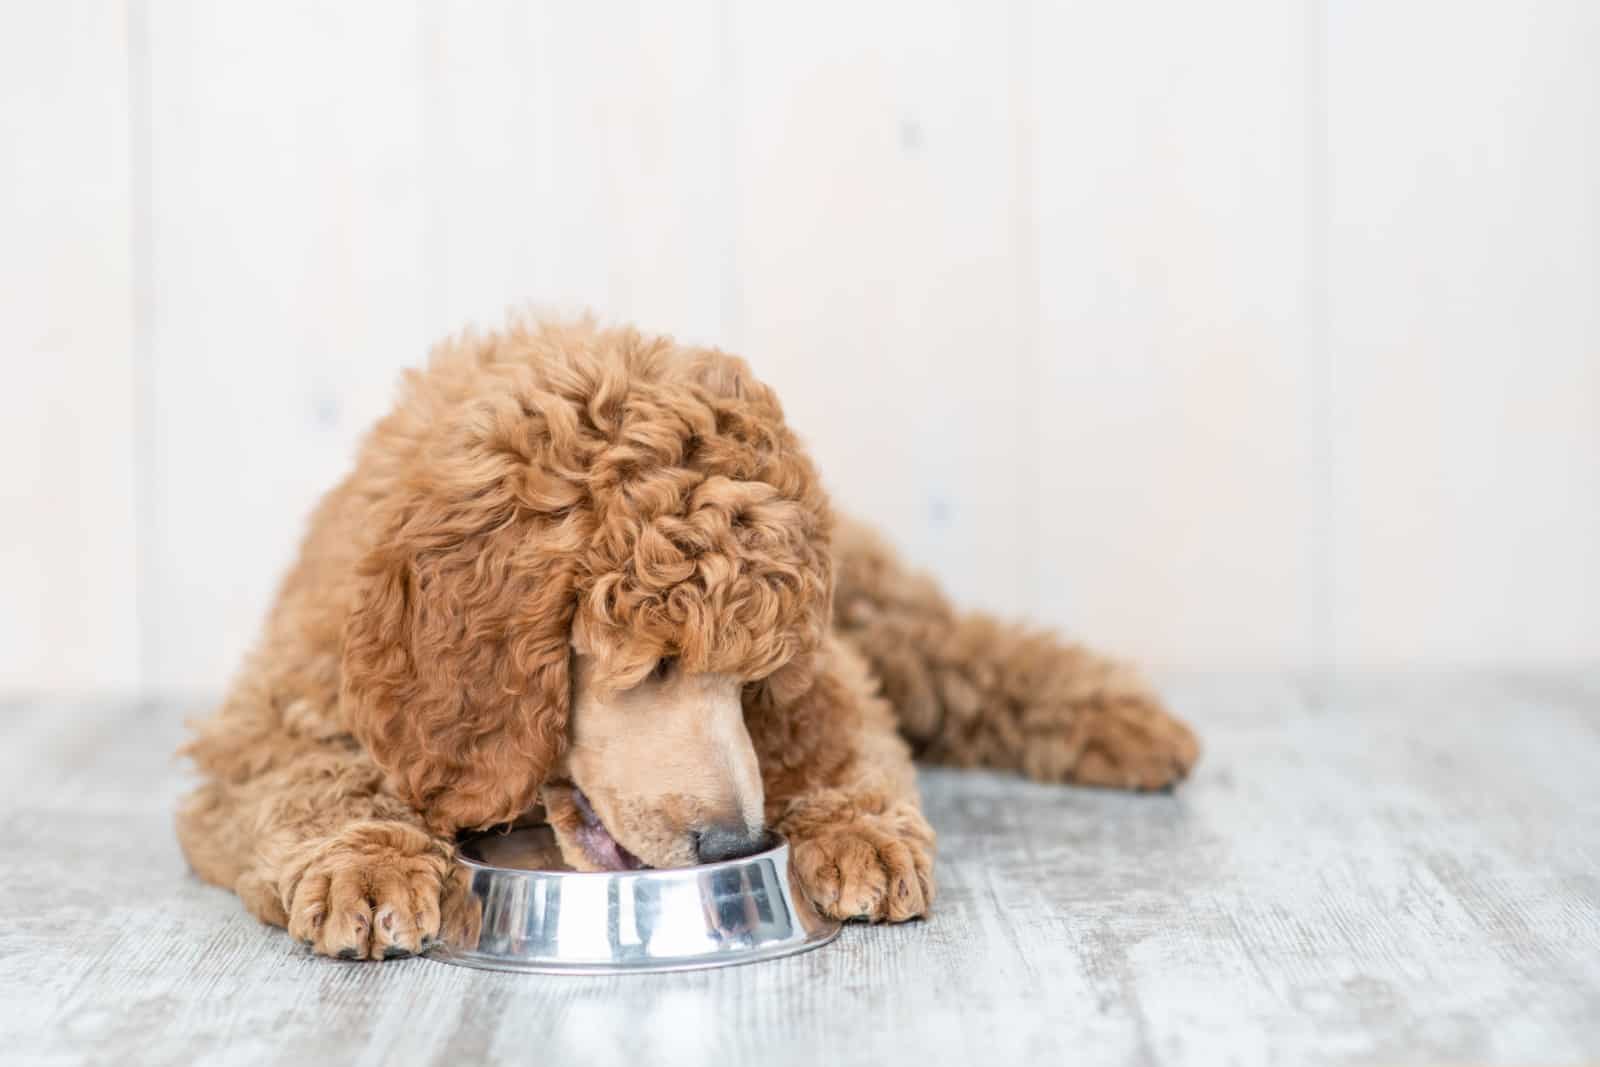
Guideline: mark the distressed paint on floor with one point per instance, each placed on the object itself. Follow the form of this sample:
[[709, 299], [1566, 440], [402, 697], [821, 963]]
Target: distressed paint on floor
[[1386, 869]]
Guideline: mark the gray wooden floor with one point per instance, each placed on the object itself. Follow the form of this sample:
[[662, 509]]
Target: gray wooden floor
[[1382, 870]]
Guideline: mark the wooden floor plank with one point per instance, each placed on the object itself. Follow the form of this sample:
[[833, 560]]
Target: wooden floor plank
[[1384, 869]]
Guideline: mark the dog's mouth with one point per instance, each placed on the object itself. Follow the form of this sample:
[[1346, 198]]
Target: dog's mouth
[[591, 835]]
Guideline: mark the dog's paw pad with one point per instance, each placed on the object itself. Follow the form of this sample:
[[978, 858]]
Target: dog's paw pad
[[367, 903], [864, 870], [1125, 740]]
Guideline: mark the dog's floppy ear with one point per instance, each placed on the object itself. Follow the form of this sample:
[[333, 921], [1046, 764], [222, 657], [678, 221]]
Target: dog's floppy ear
[[456, 657]]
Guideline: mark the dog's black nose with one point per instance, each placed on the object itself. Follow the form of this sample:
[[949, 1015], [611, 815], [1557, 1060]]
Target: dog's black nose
[[728, 841]]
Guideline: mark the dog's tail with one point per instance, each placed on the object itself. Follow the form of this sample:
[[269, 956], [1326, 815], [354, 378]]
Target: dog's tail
[[973, 691]]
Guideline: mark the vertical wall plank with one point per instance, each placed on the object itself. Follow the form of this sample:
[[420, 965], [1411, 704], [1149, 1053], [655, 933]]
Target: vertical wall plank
[[286, 244], [1464, 276], [877, 267], [1112, 420], [68, 618], [574, 159], [1174, 392]]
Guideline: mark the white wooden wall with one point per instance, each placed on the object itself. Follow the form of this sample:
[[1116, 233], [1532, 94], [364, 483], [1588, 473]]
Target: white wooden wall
[[1252, 332]]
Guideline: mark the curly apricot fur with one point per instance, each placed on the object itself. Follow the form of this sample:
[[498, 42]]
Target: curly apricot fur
[[552, 487]]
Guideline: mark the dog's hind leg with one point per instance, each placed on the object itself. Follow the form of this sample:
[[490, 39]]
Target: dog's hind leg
[[971, 690]]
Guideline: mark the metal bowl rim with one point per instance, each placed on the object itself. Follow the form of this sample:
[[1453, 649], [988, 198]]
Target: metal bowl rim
[[779, 848]]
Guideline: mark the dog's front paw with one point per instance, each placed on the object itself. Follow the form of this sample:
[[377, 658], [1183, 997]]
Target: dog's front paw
[[877, 867], [374, 892], [1117, 734]]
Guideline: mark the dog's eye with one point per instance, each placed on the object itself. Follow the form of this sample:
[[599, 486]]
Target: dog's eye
[[663, 668]]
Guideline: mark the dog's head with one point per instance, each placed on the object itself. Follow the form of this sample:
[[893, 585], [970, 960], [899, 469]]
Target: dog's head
[[589, 549]]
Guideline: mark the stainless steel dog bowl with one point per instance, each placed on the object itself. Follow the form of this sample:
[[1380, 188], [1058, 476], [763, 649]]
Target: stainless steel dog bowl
[[533, 917]]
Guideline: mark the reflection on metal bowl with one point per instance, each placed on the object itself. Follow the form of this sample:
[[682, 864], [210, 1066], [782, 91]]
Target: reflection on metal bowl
[[535, 915]]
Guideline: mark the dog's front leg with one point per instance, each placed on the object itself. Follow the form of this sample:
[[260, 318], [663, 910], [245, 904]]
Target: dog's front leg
[[313, 843], [841, 786]]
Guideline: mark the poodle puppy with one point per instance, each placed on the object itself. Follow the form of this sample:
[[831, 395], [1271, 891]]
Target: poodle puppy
[[588, 577]]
